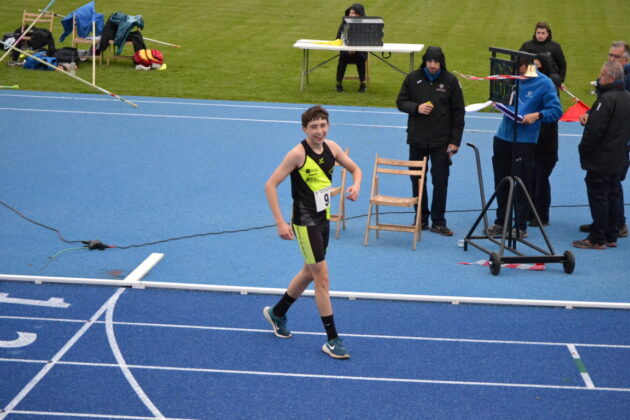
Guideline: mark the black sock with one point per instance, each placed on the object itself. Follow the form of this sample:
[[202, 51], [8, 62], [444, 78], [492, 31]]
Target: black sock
[[329, 325], [283, 305]]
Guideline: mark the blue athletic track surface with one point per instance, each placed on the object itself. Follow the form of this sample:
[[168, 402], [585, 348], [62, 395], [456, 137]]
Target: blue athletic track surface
[[123, 343], [71, 351], [96, 169]]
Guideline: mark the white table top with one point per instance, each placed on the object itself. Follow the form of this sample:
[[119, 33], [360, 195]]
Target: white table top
[[313, 44]]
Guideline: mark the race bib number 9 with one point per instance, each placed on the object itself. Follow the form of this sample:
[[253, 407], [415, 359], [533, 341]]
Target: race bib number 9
[[322, 199]]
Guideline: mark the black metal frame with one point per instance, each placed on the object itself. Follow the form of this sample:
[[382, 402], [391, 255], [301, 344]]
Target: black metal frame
[[508, 240]]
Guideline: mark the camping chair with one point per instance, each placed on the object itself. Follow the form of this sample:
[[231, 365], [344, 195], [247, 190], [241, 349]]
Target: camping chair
[[76, 40], [382, 166], [45, 22], [340, 217]]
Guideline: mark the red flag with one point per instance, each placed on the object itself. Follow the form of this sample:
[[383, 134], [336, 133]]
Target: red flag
[[575, 111]]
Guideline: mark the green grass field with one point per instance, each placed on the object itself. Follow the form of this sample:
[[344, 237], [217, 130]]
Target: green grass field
[[242, 50]]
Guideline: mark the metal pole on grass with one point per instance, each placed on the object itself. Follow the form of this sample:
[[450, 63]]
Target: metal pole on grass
[[162, 42], [72, 75]]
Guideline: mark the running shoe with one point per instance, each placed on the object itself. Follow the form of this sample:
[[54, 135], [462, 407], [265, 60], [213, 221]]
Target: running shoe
[[279, 325], [335, 349]]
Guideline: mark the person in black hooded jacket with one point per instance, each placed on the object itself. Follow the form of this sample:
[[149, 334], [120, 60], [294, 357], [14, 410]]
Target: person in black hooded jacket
[[357, 57], [541, 42], [546, 155], [434, 101]]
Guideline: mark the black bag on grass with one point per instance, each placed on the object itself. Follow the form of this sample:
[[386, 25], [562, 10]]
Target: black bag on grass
[[67, 55]]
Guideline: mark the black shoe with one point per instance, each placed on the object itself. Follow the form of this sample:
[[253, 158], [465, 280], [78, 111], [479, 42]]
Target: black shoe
[[339, 87], [623, 231], [534, 223], [362, 88], [424, 226], [585, 228], [442, 230]]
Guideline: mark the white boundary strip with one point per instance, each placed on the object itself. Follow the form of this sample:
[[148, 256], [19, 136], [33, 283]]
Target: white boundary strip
[[580, 365], [351, 378], [142, 270], [197, 117], [569, 304], [201, 103], [89, 415]]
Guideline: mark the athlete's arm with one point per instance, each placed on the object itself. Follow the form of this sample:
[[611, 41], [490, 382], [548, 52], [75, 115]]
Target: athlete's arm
[[291, 161], [352, 192]]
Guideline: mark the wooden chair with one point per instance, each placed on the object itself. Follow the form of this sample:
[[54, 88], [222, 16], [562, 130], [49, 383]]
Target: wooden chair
[[76, 40], [340, 217], [367, 71], [46, 21], [383, 166], [109, 53]]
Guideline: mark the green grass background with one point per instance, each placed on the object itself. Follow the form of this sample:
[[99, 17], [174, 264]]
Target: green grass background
[[242, 49]]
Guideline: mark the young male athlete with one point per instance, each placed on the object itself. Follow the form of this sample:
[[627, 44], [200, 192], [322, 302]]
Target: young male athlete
[[310, 165]]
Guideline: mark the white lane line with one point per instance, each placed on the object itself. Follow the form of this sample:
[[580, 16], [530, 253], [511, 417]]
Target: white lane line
[[90, 415], [224, 105], [56, 358], [369, 336], [580, 365], [194, 117], [338, 377], [122, 364]]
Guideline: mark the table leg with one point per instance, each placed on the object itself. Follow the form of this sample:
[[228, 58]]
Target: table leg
[[411, 61], [304, 67]]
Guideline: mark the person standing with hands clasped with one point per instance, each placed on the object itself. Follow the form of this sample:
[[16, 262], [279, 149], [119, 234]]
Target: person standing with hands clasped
[[310, 165], [434, 100], [603, 153], [357, 57]]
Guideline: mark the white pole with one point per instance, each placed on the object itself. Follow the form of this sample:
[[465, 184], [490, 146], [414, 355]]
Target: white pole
[[29, 28], [161, 42], [93, 52]]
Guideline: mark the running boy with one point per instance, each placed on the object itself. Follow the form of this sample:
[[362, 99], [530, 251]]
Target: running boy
[[310, 165]]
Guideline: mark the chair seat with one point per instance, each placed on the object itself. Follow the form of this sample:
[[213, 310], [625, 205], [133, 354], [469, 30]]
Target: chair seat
[[387, 200]]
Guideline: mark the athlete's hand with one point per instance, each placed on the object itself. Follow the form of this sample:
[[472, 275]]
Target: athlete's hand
[[352, 193], [285, 231]]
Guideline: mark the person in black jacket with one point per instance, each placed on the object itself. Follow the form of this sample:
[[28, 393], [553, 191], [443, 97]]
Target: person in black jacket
[[541, 42], [434, 101], [603, 153], [357, 57], [546, 156]]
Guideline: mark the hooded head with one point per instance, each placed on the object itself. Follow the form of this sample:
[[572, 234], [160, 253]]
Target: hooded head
[[358, 8], [542, 33], [436, 54]]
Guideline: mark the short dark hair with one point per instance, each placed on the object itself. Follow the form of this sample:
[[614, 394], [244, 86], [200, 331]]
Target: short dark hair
[[624, 45], [316, 112], [543, 25]]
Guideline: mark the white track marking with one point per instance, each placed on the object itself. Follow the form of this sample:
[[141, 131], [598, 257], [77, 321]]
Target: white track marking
[[369, 336], [580, 365], [91, 415], [122, 364], [196, 117], [52, 302], [350, 378], [23, 340], [55, 359]]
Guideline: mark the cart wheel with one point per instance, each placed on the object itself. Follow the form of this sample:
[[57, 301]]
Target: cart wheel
[[495, 264], [569, 262]]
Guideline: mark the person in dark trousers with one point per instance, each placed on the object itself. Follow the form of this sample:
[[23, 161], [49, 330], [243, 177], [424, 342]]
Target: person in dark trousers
[[538, 103], [603, 154], [545, 157], [619, 52], [434, 100], [356, 57], [310, 165], [542, 42]]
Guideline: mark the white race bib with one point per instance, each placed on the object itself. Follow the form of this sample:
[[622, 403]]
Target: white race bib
[[322, 198]]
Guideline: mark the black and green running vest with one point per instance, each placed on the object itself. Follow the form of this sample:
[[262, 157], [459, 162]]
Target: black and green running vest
[[315, 174]]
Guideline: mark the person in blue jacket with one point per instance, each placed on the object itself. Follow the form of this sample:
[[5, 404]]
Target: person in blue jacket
[[537, 102]]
